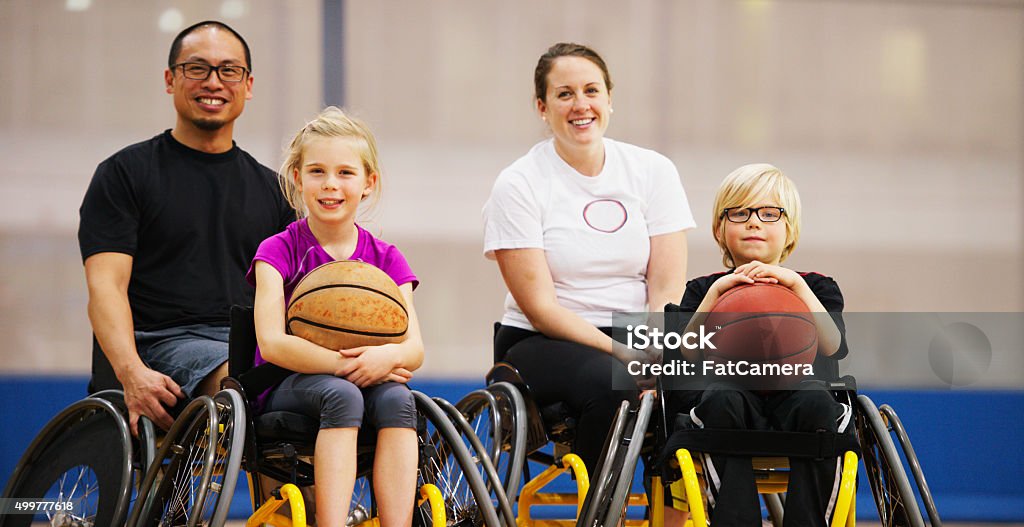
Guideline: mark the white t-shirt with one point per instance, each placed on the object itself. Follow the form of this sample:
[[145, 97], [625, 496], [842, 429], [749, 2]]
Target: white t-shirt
[[595, 231]]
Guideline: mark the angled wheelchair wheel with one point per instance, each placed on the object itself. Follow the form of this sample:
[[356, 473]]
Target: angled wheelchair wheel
[[446, 463], [196, 468], [483, 461], [497, 416], [144, 446], [82, 456], [915, 466], [617, 501], [598, 500], [776, 507], [890, 487], [227, 460], [363, 507]]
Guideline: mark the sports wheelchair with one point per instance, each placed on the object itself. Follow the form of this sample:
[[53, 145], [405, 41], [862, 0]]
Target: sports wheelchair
[[513, 430], [279, 445], [870, 444], [87, 455]]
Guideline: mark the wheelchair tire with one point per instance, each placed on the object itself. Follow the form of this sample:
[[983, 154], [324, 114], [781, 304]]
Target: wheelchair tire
[[82, 455], [618, 501], [446, 462], [144, 447], [890, 487], [497, 416], [482, 459], [363, 506], [776, 507], [598, 498], [228, 459], [193, 477], [912, 461]]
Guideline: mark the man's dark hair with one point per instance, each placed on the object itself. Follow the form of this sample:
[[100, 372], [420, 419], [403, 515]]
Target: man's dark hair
[[176, 44]]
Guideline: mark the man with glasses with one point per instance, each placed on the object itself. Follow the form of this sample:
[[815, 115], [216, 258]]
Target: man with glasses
[[168, 228]]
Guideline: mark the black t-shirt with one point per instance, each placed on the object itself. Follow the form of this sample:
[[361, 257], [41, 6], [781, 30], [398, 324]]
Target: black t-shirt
[[824, 288], [192, 222]]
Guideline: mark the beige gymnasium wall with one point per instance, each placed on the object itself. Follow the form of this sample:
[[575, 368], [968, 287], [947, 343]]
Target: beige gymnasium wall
[[902, 122]]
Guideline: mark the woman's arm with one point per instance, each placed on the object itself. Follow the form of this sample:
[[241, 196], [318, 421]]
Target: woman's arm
[[666, 270], [528, 279]]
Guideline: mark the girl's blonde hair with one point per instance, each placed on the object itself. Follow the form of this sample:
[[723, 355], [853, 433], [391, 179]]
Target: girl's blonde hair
[[331, 122], [747, 186]]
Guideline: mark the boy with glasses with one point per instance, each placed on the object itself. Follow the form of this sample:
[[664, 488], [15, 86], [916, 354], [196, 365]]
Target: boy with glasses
[[757, 225], [167, 229]]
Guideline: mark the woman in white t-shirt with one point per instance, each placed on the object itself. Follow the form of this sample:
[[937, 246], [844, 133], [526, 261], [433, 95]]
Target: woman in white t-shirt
[[582, 226]]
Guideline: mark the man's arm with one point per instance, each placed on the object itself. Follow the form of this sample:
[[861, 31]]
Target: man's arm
[[107, 276]]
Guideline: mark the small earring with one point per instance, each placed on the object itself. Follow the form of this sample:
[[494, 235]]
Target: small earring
[[611, 110]]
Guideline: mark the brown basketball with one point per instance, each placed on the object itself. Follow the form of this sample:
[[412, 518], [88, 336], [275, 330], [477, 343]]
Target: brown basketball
[[762, 324], [347, 304]]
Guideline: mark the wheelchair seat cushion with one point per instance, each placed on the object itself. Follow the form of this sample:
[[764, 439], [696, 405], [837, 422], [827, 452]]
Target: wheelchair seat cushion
[[286, 426], [556, 421], [559, 421], [293, 427]]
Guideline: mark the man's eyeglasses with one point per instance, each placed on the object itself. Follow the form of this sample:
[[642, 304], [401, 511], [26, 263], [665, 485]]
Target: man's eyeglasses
[[742, 215], [200, 71]]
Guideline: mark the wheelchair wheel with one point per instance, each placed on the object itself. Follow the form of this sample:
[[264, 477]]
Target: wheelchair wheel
[[915, 465], [144, 447], [776, 507], [598, 498], [362, 508], [482, 458], [893, 495], [446, 463], [194, 475], [497, 415], [617, 502], [82, 456]]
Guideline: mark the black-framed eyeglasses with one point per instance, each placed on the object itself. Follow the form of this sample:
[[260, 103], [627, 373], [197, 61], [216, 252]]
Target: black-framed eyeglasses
[[200, 71], [742, 214]]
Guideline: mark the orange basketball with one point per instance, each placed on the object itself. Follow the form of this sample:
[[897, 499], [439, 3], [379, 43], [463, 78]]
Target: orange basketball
[[347, 304], [765, 326]]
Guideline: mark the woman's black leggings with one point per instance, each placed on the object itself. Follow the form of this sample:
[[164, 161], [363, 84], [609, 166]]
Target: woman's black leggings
[[578, 375]]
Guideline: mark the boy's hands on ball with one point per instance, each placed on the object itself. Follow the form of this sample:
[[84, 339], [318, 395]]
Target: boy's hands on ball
[[743, 275], [772, 274]]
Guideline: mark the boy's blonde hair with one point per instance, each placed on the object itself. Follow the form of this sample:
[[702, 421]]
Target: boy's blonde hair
[[331, 122], [747, 186]]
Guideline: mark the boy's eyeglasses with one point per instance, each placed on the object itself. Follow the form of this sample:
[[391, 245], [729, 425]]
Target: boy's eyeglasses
[[742, 214], [199, 71]]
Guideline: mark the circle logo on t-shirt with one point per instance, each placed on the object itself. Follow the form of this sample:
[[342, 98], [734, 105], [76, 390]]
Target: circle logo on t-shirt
[[605, 215]]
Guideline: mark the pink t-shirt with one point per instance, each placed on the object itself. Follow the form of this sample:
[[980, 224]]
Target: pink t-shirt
[[295, 252]]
